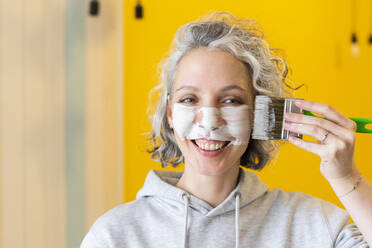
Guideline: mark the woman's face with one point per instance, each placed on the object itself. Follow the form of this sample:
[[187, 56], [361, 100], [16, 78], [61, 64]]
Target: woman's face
[[210, 78]]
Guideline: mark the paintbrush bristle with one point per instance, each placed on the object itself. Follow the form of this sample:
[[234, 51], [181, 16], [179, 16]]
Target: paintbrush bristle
[[269, 118]]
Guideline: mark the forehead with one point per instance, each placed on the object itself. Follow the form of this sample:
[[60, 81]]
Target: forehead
[[211, 69]]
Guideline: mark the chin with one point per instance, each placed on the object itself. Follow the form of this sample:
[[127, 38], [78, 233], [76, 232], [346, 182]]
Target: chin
[[211, 169]]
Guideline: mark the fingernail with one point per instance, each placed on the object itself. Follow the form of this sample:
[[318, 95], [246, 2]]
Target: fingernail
[[299, 102], [288, 115]]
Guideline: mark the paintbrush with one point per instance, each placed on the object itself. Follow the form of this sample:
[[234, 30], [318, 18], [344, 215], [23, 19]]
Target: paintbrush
[[269, 118]]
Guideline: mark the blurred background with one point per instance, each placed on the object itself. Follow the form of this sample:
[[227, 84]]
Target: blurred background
[[74, 82]]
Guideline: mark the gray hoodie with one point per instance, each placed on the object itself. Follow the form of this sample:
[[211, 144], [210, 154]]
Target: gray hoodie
[[251, 216]]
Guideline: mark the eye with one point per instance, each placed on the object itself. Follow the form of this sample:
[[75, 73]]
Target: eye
[[232, 101], [187, 100]]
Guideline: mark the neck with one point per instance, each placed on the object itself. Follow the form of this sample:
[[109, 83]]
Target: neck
[[211, 189]]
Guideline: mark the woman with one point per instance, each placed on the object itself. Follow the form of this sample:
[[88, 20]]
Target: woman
[[204, 119]]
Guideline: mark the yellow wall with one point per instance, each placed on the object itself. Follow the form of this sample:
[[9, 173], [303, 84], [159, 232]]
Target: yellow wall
[[315, 36]]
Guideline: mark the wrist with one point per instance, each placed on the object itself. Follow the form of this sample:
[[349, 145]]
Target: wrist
[[347, 184]]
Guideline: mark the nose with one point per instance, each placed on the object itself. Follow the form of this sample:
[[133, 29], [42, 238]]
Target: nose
[[209, 118]]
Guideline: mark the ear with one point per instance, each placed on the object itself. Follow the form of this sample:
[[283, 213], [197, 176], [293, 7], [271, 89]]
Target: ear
[[169, 116]]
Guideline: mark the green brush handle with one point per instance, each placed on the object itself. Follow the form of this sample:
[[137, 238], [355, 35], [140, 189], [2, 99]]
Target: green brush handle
[[361, 122]]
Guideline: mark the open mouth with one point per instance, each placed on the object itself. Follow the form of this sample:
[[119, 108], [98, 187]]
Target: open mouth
[[210, 145]]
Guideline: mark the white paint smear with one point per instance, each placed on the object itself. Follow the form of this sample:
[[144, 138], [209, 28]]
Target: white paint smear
[[225, 124]]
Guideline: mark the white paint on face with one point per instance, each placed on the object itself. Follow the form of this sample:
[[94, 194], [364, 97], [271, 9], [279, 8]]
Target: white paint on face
[[238, 122], [224, 124], [209, 118]]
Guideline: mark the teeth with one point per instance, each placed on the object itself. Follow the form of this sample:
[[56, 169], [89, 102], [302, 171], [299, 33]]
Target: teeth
[[208, 146]]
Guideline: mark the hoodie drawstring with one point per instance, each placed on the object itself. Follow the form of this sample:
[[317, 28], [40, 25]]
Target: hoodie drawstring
[[237, 207], [187, 200]]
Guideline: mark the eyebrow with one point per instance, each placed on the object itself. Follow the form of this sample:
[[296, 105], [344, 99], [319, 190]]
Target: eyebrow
[[227, 88], [186, 87], [232, 87]]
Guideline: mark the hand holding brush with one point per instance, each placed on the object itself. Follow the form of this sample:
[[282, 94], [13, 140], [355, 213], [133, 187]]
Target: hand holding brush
[[283, 118]]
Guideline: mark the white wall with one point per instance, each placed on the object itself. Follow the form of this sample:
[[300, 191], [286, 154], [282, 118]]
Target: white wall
[[36, 82]]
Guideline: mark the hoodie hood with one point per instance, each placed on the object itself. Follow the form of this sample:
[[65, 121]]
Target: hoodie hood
[[162, 185]]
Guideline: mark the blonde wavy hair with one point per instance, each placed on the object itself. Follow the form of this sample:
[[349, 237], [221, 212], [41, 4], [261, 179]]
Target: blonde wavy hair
[[244, 39]]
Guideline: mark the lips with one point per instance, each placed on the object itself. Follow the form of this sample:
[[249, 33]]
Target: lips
[[210, 148], [210, 145]]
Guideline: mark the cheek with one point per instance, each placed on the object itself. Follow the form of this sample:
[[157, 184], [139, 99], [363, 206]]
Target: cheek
[[239, 122], [182, 119], [181, 143], [239, 150]]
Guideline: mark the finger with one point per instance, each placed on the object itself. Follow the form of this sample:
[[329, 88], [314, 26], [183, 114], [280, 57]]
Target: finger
[[328, 112], [330, 126], [307, 129], [306, 145], [323, 136]]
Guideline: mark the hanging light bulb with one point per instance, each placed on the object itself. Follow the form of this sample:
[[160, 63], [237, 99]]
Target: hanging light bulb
[[355, 50], [94, 8], [370, 24], [139, 10]]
